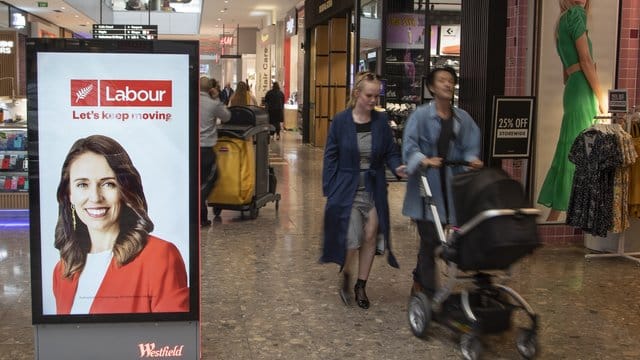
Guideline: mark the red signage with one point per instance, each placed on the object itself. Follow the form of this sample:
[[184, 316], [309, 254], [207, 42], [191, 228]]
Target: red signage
[[226, 40], [84, 92], [137, 93]]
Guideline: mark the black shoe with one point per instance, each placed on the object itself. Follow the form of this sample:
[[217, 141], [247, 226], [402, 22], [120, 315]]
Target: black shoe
[[205, 223], [361, 297], [345, 288]]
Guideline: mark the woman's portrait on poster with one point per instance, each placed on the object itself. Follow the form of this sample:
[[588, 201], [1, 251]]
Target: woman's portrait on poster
[[109, 261]]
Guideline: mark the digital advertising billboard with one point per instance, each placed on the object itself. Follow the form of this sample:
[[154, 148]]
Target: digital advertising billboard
[[113, 169]]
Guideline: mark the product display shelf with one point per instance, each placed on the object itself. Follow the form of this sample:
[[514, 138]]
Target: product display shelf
[[14, 179]]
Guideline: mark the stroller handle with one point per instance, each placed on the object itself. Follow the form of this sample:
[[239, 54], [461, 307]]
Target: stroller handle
[[426, 189], [456, 163]]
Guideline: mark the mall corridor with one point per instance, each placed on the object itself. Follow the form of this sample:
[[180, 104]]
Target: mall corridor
[[265, 296]]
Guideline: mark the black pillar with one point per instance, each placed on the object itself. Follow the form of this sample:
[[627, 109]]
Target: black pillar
[[482, 62]]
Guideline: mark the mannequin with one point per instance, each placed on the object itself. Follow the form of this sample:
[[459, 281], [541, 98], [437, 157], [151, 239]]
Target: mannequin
[[582, 100]]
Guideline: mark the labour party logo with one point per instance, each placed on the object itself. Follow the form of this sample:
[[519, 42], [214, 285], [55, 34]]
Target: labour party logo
[[124, 93], [84, 92]]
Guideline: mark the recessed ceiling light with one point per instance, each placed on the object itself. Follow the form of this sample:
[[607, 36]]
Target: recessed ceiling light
[[219, 19]]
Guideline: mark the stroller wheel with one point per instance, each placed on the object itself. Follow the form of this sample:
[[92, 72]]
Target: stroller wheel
[[527, 343], [470, 347], [419, 314]]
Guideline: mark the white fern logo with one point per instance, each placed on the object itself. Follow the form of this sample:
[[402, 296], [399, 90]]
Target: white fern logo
[[82, 93]]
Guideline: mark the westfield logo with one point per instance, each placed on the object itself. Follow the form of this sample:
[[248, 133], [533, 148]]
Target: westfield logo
[[149, 350], [137, 93]]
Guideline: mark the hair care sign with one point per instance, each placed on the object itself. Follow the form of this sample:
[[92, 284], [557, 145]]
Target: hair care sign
[[114, 232]]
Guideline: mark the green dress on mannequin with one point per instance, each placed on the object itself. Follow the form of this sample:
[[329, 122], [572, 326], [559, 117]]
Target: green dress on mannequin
[[579, 105]]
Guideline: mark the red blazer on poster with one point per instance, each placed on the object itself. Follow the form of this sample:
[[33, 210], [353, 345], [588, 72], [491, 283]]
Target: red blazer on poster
[[155, 281]]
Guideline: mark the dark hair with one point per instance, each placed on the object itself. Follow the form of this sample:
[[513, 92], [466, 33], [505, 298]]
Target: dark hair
[[135, 224], [431, 77], [276, 85], [214, 84]]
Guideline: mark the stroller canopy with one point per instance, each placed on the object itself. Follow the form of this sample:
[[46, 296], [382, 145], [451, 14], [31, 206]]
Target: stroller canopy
[[489, 188]]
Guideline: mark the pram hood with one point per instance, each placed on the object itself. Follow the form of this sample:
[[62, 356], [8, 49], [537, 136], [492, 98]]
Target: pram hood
[[497, 241], [485, 189]]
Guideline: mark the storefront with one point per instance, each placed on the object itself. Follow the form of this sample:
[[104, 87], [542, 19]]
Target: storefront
[[401, 41], [613, 30], [15, 27], [329, 65]]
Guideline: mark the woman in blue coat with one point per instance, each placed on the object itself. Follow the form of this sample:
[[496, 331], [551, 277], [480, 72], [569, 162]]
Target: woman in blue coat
[[359, 145]]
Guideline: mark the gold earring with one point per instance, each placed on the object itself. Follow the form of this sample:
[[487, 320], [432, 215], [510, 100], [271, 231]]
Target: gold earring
[[73, 216]]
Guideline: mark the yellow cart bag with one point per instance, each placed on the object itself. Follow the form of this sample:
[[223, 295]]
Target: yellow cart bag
[[236, 172]]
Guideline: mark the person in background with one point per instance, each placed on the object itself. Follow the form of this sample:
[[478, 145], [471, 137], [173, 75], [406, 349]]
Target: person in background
[[274, 101], [358, 147], [582, 100], [242, 96], [435, 132], [226, 93], [211, 109], [109, 261]]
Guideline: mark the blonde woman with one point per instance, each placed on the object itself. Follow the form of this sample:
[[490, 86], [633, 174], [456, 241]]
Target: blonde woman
[[358, 147], [242, 96], [580, 101]]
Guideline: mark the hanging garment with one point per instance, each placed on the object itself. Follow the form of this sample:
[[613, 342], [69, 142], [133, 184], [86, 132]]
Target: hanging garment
[[621, 181], [634, 173], [596, 155]]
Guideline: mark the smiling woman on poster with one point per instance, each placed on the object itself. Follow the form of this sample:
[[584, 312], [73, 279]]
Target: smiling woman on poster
[[109, 263]]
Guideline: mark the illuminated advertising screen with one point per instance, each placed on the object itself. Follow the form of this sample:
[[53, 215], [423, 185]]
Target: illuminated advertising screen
[[450, 40], [405, 31], [113, 173]]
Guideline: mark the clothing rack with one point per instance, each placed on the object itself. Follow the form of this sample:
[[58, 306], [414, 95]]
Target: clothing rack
[[620, 252]]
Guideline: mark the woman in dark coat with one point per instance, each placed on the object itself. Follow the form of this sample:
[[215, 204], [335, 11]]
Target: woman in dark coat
[[274, 100], [359, 145]]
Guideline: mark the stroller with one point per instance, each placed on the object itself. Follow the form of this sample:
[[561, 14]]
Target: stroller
[[498, 229]]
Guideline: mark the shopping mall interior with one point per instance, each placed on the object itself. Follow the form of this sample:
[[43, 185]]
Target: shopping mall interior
[[256, 286], [265, 295]]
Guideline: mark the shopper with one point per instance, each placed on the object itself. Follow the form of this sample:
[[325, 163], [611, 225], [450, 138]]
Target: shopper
[[242, 96], [435, 132], [274, 101], [358, 147], [226, 93], [109, 263], [211, 109], [581, 101]]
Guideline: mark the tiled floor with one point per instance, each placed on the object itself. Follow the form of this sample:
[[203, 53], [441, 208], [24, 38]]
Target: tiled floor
[[265, 296]]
